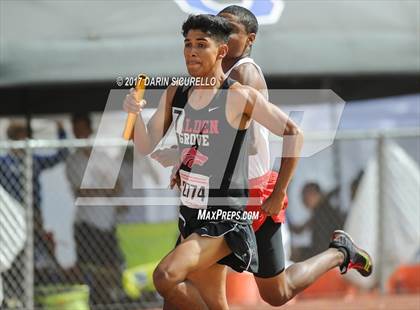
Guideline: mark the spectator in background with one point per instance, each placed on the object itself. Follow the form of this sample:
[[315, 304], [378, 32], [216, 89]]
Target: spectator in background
[[323, 221], [98, 254], [13, 179], [12, 166]]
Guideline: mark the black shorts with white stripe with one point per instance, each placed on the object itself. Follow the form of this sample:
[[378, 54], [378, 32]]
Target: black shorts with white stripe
[[239, 237]]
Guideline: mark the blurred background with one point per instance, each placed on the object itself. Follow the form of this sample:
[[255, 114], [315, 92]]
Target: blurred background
[[65, 67]]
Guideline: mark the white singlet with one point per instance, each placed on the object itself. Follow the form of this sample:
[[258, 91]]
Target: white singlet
[[259, 164]]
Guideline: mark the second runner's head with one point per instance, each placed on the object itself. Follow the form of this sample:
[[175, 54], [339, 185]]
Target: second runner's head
[[205, 43], [244, 30]]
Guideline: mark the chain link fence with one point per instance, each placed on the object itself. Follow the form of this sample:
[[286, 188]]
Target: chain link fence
[[365, 183], [17, 227], [56, 250]]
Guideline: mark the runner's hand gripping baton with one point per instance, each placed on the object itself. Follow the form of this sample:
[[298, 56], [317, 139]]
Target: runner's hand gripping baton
[[128, 133]]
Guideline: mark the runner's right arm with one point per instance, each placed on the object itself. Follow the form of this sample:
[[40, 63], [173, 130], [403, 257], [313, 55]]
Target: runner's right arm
[[167, 157], [146, 137]]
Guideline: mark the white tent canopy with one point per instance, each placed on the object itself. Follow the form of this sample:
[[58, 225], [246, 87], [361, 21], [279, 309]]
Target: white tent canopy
[[44, 40], [397, 240]]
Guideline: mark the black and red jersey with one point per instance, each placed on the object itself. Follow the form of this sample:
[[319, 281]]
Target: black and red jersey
[[213, 154]]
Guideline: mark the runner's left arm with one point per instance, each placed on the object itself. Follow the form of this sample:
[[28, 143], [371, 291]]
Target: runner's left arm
[[279, 123]]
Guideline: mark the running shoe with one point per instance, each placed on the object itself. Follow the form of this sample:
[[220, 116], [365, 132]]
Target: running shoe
[[355, 257]]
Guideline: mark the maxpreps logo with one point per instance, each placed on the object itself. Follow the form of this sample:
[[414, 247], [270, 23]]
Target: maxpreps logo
[[192, 156], [266, 11]]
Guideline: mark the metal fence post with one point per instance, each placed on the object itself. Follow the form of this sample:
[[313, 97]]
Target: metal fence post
[[29, 261], [381, 213]]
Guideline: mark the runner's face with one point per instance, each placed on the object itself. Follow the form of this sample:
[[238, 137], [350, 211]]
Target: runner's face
[[239, 40], [202, 53]]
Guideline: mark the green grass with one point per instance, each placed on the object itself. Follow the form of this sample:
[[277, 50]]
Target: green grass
[[145, 243]]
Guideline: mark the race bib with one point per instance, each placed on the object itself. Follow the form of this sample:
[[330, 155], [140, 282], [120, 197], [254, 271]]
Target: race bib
[[194, 189]]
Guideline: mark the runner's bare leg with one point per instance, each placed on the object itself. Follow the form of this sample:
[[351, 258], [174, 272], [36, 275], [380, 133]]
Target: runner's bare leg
[[280, 289], [194, 254]]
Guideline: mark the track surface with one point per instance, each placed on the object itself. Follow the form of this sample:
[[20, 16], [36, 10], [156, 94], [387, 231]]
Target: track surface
[[387, 302]]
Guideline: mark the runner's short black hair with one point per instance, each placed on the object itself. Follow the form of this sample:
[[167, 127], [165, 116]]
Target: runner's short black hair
[[216, 27], [245, 17]]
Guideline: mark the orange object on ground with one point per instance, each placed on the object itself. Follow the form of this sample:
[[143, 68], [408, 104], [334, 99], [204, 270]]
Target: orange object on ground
[[241, 289], [406, 279]]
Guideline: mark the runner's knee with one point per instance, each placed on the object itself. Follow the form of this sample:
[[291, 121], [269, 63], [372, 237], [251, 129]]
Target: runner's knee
[[276, 298], [217, 304], [166, 277], [276, 294]]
